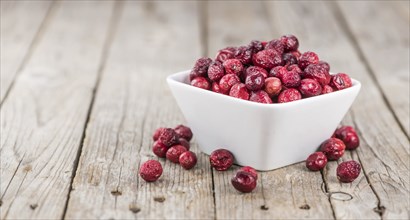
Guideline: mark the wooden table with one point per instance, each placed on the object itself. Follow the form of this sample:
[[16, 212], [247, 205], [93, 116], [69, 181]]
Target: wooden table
[[83, 87]]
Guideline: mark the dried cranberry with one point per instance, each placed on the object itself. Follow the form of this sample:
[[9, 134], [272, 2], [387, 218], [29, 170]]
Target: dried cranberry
[[157, 133], [316, 161], [168, 137], [256, 69], [250, 170], [310, 87], [324, 65], [188, 160], [341, 81], [227, 81], [151, 170], [256, 46], [261, 97], [244, 54], [225, 54], [267, 59], [233, 66], [216, 88], [221, 159], [289, 59], [308, 58], [215, 71], [277, 71], [295, 68], [244, 182], [255, 81], [184, 143], [348, 171], [183, 132], [333, 148], [349, 136], [290, 79], [289, 95], [327, 89], [174, 152], [273, 86], [275, 44], [201, 67], [159, 149], [239, 91], [290, 42], [318, 73], [201, 82]]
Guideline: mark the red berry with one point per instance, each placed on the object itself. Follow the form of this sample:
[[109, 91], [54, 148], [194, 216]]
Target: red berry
[[215, 71], [239, 91], [174, 152], [159, 149], [151, 170], [290, 79], [256, 46], [278, 71], [349, 137], [183, 132], [221, 159], [201, 82], [225, 54], [324, 65], [267, 59], [201, 67], [256, 69], [340, 81], [188, 160], [250, 170], [184, 143], [333, 148], [157, 133], [289, 95], [310, 87], [275, 45], [216, 88], [273, 86], [327, 89], [289, 59], [316, 161], [348, 171], [244, 182], [227, 81], [233, 66], [308, 58], [295, 68], [168, 137], [261, 97], [318, 73], [255, 81], [244, 54], [290, 41], [296, 53]]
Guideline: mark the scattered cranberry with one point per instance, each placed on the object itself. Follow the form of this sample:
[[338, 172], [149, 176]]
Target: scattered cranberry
[[261, 97], [168, 137], [221, 159], [157, 133], [225, 54], [349, 137], [341, 81], [348, 171], [256, 69], [289, 59], [318, 73], [201, 67], [250, 170], [187, 160], [233, 66], [215, 71], [267, 59], [227, 82], [333, 148], [273, 86], [289, 95], [216, 88], [244, 54], [184, 132], [310, 87], [316, 161], [275, 45], [239, 91], [327, 89], [308, 58], [291, 42], [244, 182], [151, 170], [290, 79], [255, 81], [159, 149], [201, 82], [278, 71], [184, 142], [256, 46], [174, 152]]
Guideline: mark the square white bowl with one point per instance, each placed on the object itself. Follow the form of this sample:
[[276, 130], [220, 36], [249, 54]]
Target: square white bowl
[[263, 136]]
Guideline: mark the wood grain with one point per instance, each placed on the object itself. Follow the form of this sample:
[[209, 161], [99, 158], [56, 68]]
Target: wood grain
[[44, 116], [132, 101], [20, 24]]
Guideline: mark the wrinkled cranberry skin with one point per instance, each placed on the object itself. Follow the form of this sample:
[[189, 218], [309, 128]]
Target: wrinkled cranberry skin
[[227, 81], [289, 59], [239, 91], [273, 86], [159, 149], [290, 79], [201, 67], [188, 160], [255, 81], [295, 68], [233, 66], [168, 137], [310, 87], [333, 148], [184, 143], [316, 161], [348, 171], [267, 59], [256, 69], [275, 45], [221, 159], [244, 182], [256, 46], [225, 54], [291, 42], [327, 89], [250, 170], [341, 81], [151, 170], [349, 136], [277, 71], [201, 82], [308, 58], [174, 152], [324, 65], [216, 88], [157, 133], [296, 53], [183, 132], [244, 54], [261, 97], [317, 73], [215, 71], [289, 95]]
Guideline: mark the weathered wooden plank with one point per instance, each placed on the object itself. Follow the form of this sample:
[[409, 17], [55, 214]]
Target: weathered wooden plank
[[387, 51], [131, 102], [44, 115], [20, 24], [287, 193]]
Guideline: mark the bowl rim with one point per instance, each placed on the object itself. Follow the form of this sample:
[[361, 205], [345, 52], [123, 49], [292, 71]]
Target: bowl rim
[[356, 85]]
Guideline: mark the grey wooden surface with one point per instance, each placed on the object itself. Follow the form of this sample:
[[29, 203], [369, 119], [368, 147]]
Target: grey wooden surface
[[83, 87]]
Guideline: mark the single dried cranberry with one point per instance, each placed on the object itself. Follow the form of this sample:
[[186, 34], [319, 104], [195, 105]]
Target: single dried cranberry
[[316, 161], [290, 41], [277, 45], [159, 149], [216, 88], [250, 170], [183, 132], [256, 69], [225, 54], [188, 160], [255, 81], [349, 136], [233, 66], [277, 71], [215, 71], [201, 67], [341, 81], [256, 46], [295, 68], [244, 182], [261, 97], [327, 89], [318, 73], [239, 91], [174, 152], [290, 79], [333, 148], [157, 133], [151, 170], [348, 171], [267, 59], [201, 82], [227, 81], [310, 87], [324, 65], [289, 59], [289, 95], [221, 159], [308, 58], [184, 143], [168, 137], [244, 54], [273, 86]]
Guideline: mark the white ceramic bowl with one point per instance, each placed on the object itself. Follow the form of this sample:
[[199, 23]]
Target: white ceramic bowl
[[264, 136]]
